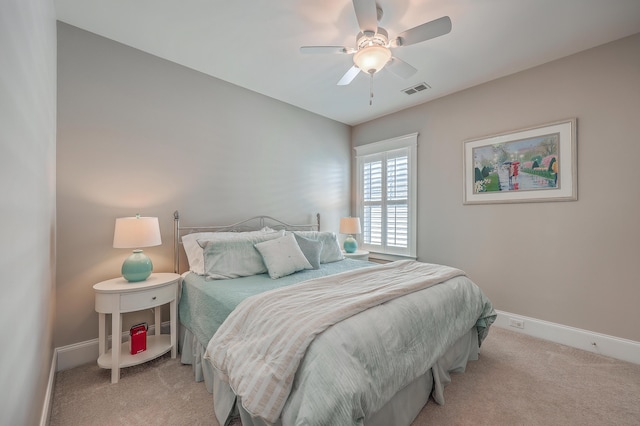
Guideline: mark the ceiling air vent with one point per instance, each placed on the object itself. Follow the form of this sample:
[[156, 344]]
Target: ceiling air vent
[[417, 88]]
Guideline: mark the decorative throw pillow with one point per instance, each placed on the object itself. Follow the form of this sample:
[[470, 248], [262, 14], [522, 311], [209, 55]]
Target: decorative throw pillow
[[311, 249], [331, 251], [234, 258], [282, 256]]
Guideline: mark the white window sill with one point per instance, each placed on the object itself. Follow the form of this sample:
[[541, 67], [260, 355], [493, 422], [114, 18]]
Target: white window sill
[[389, 257]]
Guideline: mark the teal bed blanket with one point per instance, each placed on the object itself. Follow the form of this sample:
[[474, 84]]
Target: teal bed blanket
[[205, 304]]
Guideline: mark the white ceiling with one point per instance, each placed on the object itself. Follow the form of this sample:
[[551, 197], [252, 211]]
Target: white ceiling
[[255, 44]]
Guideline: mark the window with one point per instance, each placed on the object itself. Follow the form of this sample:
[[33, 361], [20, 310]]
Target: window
[[386, 195]]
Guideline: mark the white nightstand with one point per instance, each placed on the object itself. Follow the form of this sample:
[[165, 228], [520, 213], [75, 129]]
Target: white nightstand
[[118, 296], [358, 255]]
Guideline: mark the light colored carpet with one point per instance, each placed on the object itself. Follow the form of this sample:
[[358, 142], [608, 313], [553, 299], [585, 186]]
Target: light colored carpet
[[518, 380], [159, 392]]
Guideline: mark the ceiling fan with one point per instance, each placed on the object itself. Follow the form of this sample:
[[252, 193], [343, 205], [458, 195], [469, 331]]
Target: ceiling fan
[[373, 47]]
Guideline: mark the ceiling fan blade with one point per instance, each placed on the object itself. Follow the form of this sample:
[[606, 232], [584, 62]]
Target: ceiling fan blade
[[400, 68], [426, 31], [366, 14], [349, 76], [325, 49]]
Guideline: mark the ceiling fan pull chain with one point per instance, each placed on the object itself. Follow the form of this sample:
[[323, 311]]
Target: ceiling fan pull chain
[[371, 90]]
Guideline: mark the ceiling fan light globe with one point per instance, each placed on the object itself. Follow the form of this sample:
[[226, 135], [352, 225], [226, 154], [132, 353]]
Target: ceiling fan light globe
[[372, 59]]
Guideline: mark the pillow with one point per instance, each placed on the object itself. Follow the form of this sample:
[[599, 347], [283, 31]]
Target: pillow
[[193, 249], [234, 258], [283, 256], [331, 251], [311, 250]]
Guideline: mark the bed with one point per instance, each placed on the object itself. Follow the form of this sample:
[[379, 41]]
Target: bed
[[375, 363]]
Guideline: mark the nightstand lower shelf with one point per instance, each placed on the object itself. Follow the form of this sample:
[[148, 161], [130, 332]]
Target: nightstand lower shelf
[[156, 346]]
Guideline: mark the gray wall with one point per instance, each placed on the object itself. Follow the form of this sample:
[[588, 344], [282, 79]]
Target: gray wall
[[27, 185], [138, 134], [572, 263]]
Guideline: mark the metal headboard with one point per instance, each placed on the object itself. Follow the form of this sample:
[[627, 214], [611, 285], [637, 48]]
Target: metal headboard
[[251, 224]]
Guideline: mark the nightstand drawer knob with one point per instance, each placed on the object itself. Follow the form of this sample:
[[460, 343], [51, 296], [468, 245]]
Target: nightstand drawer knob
[[153, 298]]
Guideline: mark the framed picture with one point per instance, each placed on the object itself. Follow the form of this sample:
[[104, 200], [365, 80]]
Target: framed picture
[[530, 165]]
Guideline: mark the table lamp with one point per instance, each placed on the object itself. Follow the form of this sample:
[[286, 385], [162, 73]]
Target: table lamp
[[351, 226], [136, 232]]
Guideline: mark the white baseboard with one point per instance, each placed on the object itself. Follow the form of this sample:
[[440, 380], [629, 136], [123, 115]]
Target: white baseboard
[[48, 398], [614, 347], [626, 350], [81, 353]]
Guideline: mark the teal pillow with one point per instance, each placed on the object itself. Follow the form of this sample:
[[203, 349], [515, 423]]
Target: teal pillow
[[311, 250], [234, 258], [331, 251]]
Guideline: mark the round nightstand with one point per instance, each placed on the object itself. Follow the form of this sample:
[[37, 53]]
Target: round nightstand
[[358, 255], [118, 296]]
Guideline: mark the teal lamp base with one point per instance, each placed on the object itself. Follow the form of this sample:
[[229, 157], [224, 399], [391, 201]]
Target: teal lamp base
[[350, 244], [137, 267]]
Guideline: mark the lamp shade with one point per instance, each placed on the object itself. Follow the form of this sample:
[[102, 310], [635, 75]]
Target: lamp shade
[[135, 232], [350, 225]]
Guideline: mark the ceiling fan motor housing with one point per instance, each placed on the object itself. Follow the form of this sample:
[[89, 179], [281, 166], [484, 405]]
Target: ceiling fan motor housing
[[368, 38]]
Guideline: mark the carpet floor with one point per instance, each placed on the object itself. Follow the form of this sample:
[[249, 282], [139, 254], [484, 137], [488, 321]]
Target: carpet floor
[[518, 380]]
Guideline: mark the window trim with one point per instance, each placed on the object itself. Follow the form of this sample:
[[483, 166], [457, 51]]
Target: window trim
[[409, 142]]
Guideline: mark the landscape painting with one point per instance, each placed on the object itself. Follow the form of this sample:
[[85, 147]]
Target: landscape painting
[[536, 164]]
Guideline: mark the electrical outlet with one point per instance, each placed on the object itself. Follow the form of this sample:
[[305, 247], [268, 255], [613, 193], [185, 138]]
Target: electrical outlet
[[517, 323]]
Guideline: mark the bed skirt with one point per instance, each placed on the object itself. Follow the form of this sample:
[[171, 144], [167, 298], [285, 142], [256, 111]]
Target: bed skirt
[[192, 353], [401, 410]]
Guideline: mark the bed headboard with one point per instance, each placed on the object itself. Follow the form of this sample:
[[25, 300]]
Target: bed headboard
[[252, 224]]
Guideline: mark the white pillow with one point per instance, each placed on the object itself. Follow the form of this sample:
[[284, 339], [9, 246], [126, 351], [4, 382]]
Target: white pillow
[[331, 251], [234, 258], [283, 256], [193, 249]]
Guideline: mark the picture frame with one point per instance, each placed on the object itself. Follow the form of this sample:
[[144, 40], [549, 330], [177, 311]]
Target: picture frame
[[536, 164]]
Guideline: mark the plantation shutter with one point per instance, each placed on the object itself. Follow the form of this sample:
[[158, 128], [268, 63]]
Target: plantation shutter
[[372, 217], [397, 200]]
